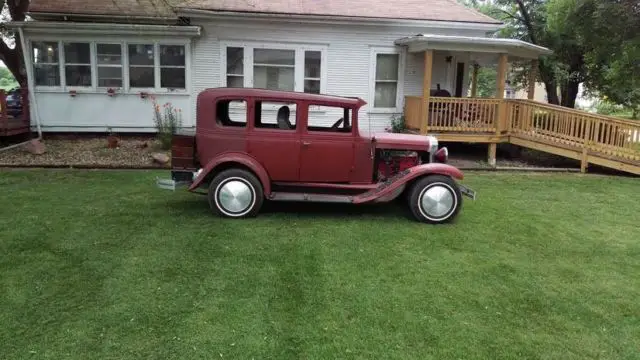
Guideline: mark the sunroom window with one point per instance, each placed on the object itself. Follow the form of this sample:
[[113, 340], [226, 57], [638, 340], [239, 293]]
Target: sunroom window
[[235, 67], [77, 64], [172, 66], [141, 66], [46, 63], [109, 65]]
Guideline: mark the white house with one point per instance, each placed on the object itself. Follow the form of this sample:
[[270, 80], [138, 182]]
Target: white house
[[79, 49]]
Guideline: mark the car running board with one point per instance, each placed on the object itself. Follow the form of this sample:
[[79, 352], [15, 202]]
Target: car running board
[[288, 196]]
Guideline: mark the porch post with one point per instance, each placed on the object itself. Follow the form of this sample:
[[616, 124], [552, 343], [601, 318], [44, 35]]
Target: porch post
[[426, 91], [532, 80], [474, 81], [501, 119]]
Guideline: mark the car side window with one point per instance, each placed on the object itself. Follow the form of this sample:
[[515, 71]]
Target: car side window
[[275, 115], [232, 113], [329, 119]]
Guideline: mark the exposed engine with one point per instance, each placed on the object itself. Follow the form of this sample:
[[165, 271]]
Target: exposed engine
[[391, 162]]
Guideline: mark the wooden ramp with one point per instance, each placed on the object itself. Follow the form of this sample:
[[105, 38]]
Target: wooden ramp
[[589, 138]]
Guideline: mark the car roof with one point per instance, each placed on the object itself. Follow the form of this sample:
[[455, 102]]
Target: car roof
[[282, 95]]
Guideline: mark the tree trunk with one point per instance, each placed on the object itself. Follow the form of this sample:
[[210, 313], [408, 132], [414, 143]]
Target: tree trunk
[[552, 92], [569, 94]]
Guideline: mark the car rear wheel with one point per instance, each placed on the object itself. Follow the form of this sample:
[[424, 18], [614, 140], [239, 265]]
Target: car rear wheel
[[435, 199], [235, 193]]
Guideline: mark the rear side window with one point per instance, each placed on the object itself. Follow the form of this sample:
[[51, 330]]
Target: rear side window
[[232, 113]]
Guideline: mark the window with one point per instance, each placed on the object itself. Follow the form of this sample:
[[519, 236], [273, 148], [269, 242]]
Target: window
[[235, 67], [45, 63], [282, 118], [275, 66], [231, 113], [109, 65], [172, 66], [329, 118], [386, 80], [274, 69], [72, 64], [141, 66], [312, 67], [77, 64]]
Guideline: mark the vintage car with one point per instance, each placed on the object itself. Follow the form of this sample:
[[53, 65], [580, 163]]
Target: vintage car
[[252, 145]]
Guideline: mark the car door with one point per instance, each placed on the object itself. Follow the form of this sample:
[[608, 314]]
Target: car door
[[274, 138], [326, 152]]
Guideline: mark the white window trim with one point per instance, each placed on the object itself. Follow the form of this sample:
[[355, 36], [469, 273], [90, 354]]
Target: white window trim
[[374, 51], [126, 89], [63, 62], [298, 67], [58, 64], [121, 66]]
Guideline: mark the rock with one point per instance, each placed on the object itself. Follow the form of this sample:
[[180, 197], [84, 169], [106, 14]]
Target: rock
[[160, 158], [35, 147]]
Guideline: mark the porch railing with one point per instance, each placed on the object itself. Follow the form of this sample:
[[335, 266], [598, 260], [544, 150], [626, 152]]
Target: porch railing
[[598, 133], [454, 114], [552, 124]]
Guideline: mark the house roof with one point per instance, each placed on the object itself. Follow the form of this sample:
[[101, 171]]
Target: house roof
[[434, 10]]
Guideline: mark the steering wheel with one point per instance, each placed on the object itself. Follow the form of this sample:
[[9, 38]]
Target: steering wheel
[[337, 123]]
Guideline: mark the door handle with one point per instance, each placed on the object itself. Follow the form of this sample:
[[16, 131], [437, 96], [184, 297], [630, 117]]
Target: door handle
[[306, 143]]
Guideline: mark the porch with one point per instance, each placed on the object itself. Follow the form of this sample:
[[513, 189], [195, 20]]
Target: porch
[[583, 136]]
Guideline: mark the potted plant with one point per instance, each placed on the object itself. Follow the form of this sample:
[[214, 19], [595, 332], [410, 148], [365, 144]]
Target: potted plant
[[112, 139], [111, 91]]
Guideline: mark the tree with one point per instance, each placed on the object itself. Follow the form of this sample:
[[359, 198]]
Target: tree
[[12, 57]]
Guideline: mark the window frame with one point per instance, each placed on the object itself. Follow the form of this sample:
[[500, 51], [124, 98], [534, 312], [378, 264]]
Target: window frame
[[122, 62], [373, 56], [125, 88], [57, 64], [299, 61], [64, 64]]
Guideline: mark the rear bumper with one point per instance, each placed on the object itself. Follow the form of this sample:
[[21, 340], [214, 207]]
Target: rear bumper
[[179, 179]]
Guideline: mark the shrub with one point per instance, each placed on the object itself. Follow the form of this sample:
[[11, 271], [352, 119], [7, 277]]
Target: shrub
[[167, 120], [397, 125]]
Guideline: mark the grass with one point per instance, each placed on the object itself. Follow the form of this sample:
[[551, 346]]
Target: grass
[[102, 265]]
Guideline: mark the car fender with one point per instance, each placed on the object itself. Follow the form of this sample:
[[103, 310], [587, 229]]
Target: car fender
[[394, 186], [233, 157]]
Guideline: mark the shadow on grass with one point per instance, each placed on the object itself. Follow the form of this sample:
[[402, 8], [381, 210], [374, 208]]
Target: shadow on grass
[[198, 206]]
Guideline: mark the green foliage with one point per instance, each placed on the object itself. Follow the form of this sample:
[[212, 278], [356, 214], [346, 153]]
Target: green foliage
[[7, 80], [487, 81], [167, 120], [397, 125]]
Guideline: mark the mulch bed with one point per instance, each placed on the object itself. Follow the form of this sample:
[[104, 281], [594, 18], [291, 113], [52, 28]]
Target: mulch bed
[[88, 151]]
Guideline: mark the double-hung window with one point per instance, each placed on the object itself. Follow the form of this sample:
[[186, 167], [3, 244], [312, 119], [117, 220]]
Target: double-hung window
[[77, 64], [274, 66], [172, 67], [386, 81], [46, 63], [141, 66], [109, 65]]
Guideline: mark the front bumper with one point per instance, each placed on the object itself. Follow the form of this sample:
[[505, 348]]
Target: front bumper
[[467, 192]]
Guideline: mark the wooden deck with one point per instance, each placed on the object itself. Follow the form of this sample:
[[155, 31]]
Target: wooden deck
[[14, 125], [590, 138]]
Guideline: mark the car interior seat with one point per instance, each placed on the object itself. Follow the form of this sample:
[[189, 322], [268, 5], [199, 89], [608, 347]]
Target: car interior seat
[[283, 118]]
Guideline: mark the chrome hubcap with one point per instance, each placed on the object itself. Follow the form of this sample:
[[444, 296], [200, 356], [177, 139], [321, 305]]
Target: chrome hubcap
[[235, 196], [437, 201]]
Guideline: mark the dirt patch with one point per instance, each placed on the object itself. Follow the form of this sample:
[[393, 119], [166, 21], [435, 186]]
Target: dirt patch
[[88, 151]]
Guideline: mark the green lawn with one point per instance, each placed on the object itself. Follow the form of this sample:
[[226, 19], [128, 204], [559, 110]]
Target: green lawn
[[102, 265]]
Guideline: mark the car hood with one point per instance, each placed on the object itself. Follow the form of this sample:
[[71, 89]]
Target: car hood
[[404, 141]]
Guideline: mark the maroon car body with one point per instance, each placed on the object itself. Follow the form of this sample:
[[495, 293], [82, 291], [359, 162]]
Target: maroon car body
[[249, 146]]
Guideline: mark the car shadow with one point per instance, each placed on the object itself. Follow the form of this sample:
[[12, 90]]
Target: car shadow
[[394, 209]]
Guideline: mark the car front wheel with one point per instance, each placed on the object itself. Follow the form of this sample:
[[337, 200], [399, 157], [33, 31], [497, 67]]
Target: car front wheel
[[435, 199], [235, 193]]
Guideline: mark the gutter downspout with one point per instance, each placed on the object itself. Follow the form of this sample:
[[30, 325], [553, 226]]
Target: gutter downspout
[[32, 98]]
